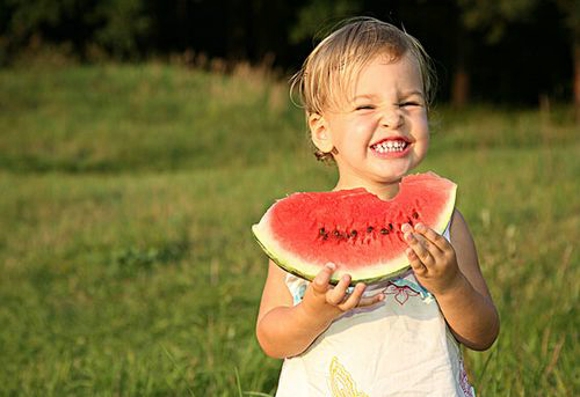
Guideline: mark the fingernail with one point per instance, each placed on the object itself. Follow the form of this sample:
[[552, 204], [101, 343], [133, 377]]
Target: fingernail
[[421, 227], [331, 266]]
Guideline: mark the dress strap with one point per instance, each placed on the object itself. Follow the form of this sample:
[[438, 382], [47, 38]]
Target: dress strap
[[447, 233]]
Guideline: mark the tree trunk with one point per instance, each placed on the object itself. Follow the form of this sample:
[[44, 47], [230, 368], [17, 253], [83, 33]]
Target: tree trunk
[[576, 75], [460, 85]]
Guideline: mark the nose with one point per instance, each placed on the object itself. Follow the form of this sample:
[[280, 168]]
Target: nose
[[392, 117]]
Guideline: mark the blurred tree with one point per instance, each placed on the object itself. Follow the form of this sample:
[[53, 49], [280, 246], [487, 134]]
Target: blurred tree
[[316, 14], [33, 21], [232, 30], [494, 17], [490, 17], [461, 85], [120, 26], [470, 40], [115, 25], [571, 12]]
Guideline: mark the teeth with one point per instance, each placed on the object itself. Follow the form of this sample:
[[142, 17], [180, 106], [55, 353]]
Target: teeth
[[390, 146]]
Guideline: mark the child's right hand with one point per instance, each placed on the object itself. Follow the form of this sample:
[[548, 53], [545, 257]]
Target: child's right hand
[[323, 299], [284, 329]]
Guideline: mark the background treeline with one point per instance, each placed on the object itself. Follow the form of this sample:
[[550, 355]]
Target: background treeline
[[516, 51]]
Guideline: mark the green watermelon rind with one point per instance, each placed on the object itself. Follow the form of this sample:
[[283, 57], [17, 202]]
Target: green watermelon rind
[[369, 274]]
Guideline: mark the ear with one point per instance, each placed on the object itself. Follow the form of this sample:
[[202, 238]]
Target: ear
[[320, 133]]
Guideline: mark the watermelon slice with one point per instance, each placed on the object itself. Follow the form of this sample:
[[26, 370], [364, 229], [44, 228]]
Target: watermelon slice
[[354, 229]]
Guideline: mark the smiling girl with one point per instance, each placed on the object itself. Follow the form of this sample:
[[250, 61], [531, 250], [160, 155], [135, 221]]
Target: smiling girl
[[366, 89]]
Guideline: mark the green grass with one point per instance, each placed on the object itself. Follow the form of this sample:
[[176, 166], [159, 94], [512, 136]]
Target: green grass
[[128, 266]]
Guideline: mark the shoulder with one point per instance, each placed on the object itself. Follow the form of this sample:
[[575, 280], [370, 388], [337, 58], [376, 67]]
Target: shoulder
[[462, 241], [457, 218], [466, 252], [459, 231]]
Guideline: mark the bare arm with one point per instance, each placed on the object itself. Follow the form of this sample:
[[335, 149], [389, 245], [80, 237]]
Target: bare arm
[[452, 273], [284, 330]]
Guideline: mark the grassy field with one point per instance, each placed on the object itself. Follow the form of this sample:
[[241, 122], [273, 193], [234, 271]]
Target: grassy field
[[127, 263]]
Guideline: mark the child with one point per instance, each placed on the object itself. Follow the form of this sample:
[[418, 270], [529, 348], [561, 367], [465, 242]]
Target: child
[[366, 90]]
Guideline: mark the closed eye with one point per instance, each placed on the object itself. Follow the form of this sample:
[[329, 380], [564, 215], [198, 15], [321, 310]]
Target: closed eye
[[409, 104], [364, 107]]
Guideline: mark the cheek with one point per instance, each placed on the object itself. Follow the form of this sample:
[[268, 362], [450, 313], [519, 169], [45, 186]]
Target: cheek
[[347, 133], [427, 137], [422, 130], [423, 139]]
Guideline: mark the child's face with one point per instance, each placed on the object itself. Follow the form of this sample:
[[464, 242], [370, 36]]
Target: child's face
[[381, 133]]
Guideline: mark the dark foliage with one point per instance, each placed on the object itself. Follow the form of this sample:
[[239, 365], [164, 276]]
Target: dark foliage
[[512, 56]]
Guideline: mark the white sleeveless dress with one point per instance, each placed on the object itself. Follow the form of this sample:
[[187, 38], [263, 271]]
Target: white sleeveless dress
[[399, 347]]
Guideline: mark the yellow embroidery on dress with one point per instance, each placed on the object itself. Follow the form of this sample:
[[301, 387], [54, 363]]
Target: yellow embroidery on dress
[[341, 381]]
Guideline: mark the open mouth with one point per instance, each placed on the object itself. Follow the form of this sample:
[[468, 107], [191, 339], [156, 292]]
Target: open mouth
[[390, 146]]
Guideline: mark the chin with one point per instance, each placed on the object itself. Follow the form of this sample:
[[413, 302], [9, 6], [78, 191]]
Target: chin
[[395, 175], [389, 180]]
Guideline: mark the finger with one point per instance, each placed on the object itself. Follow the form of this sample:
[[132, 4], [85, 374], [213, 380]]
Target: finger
[[422, 240], [320, 283], [434, 251], [416, 263], [406, 228], [432, 236], [419, 248], [338, 294], [353, 299], [409, 233], [371, 300]]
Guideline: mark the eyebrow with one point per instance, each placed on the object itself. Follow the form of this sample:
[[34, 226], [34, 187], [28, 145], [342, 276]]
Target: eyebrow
[[405, 94], [413, 92]]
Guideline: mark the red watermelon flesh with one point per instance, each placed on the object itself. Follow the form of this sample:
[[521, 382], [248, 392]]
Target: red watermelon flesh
[[354, 229]]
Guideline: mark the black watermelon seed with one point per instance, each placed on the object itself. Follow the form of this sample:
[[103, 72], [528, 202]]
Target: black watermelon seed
[[390, 226], [322, 231], [370, 229], [353, 233], [415, 215], [384, 231], [336, 233]]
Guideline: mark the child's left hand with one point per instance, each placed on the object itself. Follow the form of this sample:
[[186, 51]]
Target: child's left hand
[[432, 258]]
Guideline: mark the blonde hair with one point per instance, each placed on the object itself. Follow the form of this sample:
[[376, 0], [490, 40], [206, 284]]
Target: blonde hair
[[329, 71]]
